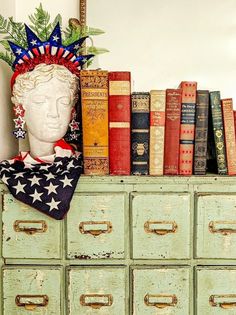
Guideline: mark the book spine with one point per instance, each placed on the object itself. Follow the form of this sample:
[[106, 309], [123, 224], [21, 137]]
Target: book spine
[[218, 130], [140, 133], [94, 100], [187, 128], [119, 123], [229, 128], [201, 133], [172, 131], [157, 131], [235, 122]]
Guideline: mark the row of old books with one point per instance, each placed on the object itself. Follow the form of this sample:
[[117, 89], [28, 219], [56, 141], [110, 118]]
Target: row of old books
[[180, 131]]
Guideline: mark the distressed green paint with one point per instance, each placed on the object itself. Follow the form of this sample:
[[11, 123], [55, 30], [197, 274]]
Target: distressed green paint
[[219, 283], [102, 212], [103, 281], [169, 210], [32, 281], [155, 286], [24, 245], [62, 246], [216, 226]]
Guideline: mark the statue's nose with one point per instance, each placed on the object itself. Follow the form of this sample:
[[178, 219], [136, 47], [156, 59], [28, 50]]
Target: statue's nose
[[53, 110]]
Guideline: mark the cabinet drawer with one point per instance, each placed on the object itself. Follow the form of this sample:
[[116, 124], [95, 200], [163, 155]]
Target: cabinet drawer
[[31, 291], [27, 233], [216, 226], [95, 226], [216, 291], [161, 291], [97, 291], [161, 226]]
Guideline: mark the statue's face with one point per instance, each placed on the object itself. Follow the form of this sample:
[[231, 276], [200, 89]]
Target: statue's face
[[48, 110]]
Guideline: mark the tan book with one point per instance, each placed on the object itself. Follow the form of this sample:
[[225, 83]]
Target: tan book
[[94, 102], [228, 119], [157, 131]]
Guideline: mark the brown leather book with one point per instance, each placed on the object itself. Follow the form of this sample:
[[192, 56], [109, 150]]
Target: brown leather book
[[201, 132], [94, 103], [218, 129], [228, 119], [172, 132]]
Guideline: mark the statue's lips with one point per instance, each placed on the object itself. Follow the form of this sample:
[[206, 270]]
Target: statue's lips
[[54, 125]]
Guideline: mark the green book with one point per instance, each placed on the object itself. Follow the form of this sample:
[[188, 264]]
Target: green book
[[218, 130]]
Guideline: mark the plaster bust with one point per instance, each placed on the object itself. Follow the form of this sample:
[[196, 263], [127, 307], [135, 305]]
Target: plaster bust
[[47, 94]]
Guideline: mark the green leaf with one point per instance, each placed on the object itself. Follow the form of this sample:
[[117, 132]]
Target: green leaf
[[8, 58], [87, 31]]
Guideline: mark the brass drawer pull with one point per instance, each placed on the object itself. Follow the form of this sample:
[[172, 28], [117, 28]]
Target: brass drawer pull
[[95, 228], [31, 302], [30, 227], [96, 301], [160, 300], [226, 301], [160, 227], [222, 227]]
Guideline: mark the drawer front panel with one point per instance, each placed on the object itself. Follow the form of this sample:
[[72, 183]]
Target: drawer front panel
[[161, 226], [216, 226], [31, 291], [95, 226], [161, 291], [216, 291], [27, 233], [97, 291]]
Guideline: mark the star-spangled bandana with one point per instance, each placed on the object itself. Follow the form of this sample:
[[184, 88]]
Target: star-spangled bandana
[[46, 184]]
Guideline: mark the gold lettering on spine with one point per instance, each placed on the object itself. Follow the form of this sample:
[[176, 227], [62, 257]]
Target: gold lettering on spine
[[157, 131], [119, 88]]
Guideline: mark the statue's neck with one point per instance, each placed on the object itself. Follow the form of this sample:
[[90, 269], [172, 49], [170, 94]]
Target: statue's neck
[[40, 148]]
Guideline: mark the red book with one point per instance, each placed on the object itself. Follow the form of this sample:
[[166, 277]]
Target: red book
[[235, 122], [173, 111], [187, 127], [229, 128], [119, 122]]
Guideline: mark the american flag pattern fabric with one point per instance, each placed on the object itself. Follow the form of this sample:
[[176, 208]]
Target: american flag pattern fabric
[[44, 185]]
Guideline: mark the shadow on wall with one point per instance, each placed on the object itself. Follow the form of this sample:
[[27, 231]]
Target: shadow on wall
[[8, 143]]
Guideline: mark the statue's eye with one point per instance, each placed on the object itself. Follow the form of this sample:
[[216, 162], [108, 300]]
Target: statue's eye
[[38, 99], [64, 100]]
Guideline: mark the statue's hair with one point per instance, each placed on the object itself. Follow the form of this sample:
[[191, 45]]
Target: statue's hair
[[43, 73]]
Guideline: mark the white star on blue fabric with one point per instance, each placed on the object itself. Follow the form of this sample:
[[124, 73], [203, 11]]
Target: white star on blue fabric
[[50, 176], [19, 188], [36, 196], [34, 180], [55, 38], [19, 175], [66, 182], [19, 51], [53, 205], [33, 42], [51, 188]]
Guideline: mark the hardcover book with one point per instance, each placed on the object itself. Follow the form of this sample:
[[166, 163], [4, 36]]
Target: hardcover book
[[140, 133], [229, 128], [119, 122], [94, 102], [201, 133], [218, 130], [172, 131], [187, 128], [157, 131]]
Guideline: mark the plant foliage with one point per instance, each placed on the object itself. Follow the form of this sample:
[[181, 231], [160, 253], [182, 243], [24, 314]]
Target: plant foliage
[[43, 27]]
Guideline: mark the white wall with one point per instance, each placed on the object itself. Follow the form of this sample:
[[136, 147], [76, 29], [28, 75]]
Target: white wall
[[8, 145], [165, 42], [20, 9]]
